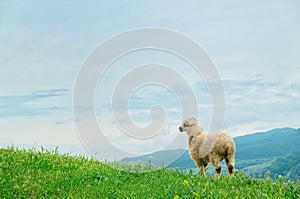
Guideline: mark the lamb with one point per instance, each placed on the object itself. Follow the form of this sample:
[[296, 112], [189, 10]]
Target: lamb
[[209, 147]]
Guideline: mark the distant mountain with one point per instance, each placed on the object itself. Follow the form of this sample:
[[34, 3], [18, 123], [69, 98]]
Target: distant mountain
[[277, 151], [274, 143]]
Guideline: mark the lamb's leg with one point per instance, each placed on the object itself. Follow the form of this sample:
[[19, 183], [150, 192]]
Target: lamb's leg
[[201, 167], [216, 163], [230, 164], [202, 170]]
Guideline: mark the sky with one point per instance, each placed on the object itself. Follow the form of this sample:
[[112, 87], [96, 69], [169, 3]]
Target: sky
[[254, 45]]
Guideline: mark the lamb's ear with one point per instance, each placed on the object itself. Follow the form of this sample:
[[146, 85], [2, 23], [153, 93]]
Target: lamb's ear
[[194, 118]]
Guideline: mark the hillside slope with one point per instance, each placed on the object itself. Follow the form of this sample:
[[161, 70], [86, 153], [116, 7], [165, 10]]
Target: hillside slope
[[44, 174]]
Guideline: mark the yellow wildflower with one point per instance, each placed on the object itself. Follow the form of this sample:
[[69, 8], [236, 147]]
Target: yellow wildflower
[[176, 196], [185, 182], [195, 193]]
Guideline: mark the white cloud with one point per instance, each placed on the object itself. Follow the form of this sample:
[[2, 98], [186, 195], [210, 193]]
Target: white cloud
[[255, 102]]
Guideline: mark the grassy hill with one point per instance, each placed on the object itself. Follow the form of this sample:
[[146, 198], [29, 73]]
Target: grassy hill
[[47, 174], [276, 151]]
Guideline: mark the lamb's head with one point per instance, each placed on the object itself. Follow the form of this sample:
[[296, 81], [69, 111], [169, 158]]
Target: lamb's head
[[191, 126]]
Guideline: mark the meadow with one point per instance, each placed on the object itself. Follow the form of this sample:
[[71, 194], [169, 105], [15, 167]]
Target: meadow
[[49, 174]]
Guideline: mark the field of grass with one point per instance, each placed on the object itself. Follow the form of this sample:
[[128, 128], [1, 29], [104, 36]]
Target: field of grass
[[48, 174]]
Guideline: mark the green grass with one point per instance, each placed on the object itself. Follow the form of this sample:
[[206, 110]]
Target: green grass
[[47, 174]]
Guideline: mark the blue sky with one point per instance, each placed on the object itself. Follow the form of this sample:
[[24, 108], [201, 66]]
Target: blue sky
[[255, 46]]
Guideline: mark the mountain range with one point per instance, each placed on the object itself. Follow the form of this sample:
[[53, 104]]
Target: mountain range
[[276, 151]]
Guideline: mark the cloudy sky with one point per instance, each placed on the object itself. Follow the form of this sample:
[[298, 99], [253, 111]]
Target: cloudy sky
[[254, 45]]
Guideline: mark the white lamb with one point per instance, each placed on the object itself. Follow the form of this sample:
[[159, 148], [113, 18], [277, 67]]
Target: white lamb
[[209, 147]]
